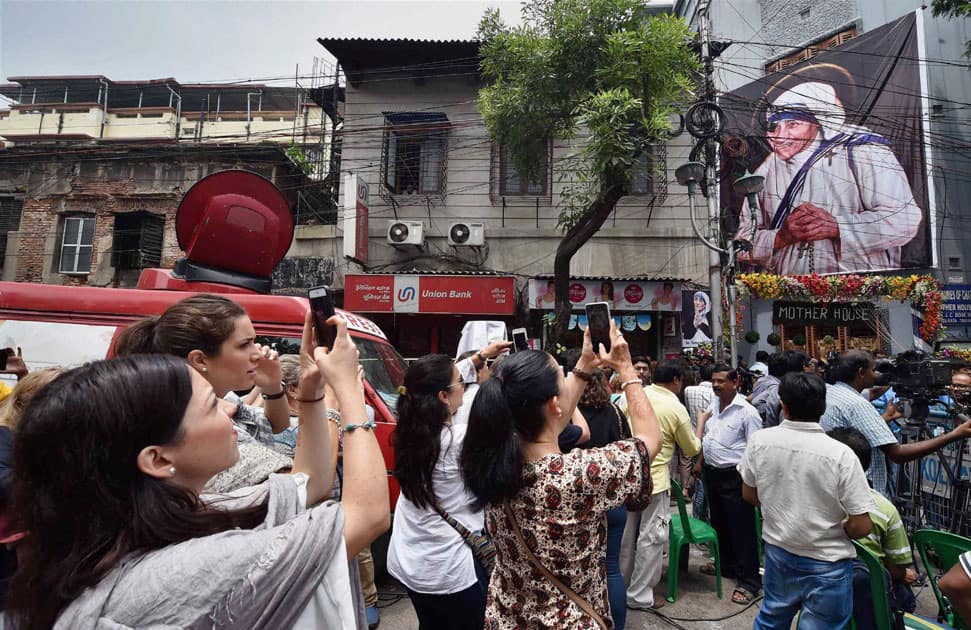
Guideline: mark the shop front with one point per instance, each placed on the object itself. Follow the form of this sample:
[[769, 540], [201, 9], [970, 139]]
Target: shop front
[[424, 313], [819, 315], [646, 309]]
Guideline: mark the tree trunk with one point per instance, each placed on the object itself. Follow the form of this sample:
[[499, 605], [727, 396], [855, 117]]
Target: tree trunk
[[575, 238]]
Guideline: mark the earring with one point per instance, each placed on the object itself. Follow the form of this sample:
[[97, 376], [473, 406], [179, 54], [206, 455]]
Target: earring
[[172, 470], [204, 370]]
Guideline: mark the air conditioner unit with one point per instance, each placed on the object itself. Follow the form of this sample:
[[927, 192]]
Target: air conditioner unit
[[406, 233], [466, 235]]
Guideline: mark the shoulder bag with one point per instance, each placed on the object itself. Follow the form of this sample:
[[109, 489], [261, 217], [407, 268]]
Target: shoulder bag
[[483, 549], [563, 588]]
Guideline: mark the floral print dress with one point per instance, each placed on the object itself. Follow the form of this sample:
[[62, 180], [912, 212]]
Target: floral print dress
[[561, 512]]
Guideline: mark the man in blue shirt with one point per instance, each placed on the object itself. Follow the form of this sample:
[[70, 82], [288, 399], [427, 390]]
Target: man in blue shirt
[[853, 372]]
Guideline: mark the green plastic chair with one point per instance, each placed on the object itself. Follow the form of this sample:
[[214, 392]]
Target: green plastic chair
[[947, 547], [878, 588], [686, 530], [758, 536]]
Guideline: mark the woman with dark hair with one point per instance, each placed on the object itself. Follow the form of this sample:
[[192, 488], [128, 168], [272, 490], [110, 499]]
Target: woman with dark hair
[[446, 585], [109, 465], [216, 337], [545, 509], [608, 425]]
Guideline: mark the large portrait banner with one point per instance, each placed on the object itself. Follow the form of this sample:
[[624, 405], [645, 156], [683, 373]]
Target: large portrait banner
[[840, 141]]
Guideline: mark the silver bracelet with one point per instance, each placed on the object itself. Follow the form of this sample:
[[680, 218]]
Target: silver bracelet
[[633, 381], [334, 416]]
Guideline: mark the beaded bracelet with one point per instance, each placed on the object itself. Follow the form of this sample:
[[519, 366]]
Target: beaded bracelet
[[334, 416], [369, 425]]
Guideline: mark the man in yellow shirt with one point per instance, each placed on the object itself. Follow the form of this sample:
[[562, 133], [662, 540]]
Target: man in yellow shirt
[[646, 537]]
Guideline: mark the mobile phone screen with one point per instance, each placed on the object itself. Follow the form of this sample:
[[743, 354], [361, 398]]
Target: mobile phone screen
[[598, 318], [519, 339], [322, 307]]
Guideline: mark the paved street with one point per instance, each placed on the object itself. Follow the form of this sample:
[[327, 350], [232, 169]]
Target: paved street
[[697, 607]]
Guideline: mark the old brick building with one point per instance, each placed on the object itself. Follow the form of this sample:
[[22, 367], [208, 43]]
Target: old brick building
[[98, 215], [92, 170]]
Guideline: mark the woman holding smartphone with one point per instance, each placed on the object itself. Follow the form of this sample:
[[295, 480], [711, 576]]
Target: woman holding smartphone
[[121, 534], [216, 338], [546, 510]]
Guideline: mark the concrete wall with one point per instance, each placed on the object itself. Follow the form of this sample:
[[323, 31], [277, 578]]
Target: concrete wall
[[521, 234]]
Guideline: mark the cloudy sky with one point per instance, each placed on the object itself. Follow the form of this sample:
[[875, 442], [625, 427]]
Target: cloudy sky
[[209, 40]]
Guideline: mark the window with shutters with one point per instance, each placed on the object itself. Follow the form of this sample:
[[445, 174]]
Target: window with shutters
[[649, 175], [414, 151], [137, 240], [10, 211], [77, 243], [512, 184], [811, 51]]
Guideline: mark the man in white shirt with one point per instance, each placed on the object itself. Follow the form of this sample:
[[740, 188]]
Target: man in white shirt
[[760, 366], [726, 428], [814, 497]]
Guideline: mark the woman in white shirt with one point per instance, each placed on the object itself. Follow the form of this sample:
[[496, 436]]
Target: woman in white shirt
[[446, 585]]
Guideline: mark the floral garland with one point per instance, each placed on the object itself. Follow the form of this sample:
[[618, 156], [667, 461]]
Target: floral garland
[[923, 292], [961, 354]]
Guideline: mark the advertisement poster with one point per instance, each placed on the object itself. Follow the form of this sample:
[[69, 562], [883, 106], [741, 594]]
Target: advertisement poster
[[695, 318], [619, 294], [840, 143]]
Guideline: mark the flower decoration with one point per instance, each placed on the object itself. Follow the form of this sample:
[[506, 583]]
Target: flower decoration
[[923, 292]]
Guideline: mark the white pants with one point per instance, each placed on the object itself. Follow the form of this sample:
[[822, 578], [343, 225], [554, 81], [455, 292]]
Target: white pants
[[644, 549]]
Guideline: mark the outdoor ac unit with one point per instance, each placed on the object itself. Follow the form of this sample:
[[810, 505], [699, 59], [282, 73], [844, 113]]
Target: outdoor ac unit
[[406, 233], [466, 235]]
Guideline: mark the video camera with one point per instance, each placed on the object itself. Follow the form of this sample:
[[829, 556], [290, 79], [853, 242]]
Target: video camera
[[914, 374], [917, 380]]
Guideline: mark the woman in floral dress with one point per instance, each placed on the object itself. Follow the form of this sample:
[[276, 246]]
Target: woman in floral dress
[[511, 457]]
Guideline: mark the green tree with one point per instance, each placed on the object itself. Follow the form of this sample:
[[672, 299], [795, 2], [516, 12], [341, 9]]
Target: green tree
[[605, 73], [953, 9]]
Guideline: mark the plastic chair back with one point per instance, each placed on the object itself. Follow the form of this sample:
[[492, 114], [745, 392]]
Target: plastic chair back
[[947, 547], [878, 587], [682, 510]]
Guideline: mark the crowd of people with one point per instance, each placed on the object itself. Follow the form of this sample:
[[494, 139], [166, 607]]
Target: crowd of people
[[152, 490]]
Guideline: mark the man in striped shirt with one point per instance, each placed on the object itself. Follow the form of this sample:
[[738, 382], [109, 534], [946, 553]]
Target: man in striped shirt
[[887, 541]]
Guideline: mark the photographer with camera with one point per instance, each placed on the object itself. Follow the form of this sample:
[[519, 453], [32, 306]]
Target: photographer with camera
[[854, 371]]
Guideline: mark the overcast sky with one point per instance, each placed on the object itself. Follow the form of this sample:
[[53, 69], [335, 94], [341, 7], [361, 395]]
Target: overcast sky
[[209, 40]]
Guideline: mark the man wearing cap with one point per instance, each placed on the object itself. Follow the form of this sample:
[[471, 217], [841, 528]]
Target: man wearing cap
[[835, 198]]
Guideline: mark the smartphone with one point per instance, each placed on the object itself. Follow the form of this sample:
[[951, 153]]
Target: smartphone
[[322, 307], [598, 319], [519, 340]]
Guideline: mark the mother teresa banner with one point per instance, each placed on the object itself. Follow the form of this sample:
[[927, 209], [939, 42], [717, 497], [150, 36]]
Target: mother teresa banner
[[840, 143]]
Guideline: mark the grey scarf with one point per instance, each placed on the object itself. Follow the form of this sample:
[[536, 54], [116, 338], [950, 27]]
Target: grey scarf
[[260, 578]]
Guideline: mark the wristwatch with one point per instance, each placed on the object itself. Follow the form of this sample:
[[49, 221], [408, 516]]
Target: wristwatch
[[277, 396]]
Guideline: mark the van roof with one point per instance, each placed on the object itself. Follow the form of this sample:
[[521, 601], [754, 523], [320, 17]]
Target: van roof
[[274, 314]]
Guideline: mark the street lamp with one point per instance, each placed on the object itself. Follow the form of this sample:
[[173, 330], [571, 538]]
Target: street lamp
[[690, 174], [749, 186]]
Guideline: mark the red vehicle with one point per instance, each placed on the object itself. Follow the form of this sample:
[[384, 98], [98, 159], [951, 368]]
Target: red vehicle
[[230, 212]]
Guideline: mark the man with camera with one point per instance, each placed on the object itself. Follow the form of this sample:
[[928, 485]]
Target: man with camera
[[854, 371]]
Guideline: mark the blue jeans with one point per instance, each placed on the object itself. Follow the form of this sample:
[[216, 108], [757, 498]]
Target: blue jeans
[[823, 590], [616, 589]]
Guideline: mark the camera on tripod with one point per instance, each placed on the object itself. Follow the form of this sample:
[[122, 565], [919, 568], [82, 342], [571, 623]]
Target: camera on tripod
[[917, 380]]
